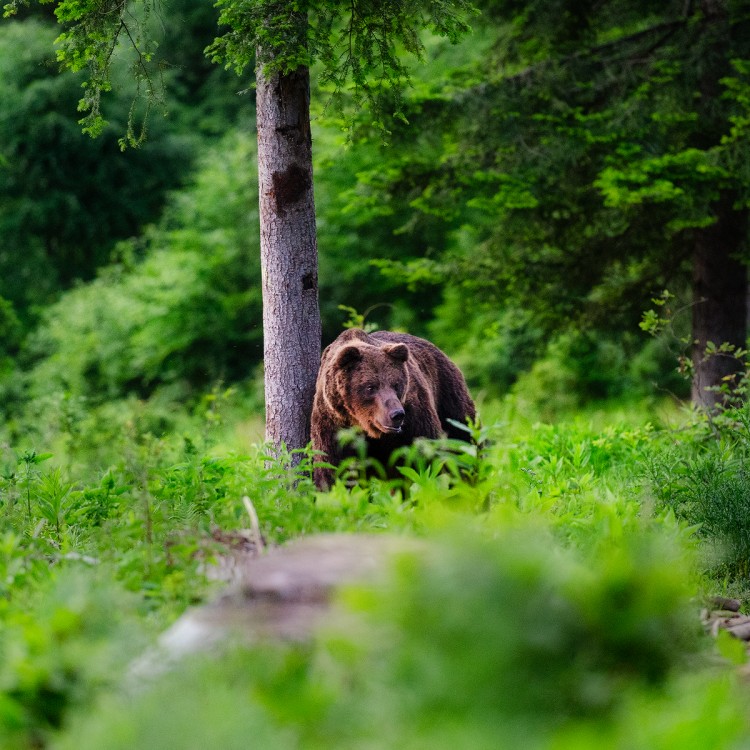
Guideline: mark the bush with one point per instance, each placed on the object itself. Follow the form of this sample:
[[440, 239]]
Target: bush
[[581, 368], [73, 637], [705, 479], [492, 347]]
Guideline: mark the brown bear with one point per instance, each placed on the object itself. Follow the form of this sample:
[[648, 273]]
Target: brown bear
[[393, 386]]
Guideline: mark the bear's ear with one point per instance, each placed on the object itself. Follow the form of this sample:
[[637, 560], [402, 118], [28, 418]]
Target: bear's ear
[[348, 356], [399, 352]]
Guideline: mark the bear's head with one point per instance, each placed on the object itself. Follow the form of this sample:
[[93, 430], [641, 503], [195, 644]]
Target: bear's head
[[370, 382]]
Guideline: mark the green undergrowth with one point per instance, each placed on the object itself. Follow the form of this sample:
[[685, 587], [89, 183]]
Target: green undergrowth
[[508, 639], [559, 600]]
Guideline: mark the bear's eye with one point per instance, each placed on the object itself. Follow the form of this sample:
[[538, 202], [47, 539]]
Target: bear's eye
[[371, 389]]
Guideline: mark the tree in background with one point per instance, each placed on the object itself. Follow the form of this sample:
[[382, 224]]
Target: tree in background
[[65, 201], [354, 41], [288, 241], [179, 312], [591, 159]]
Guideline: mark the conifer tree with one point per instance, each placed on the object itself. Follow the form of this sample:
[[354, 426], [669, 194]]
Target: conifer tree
[[598, 156]]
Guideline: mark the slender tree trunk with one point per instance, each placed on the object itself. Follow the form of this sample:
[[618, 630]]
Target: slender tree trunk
[[289, 255], [719, 300]]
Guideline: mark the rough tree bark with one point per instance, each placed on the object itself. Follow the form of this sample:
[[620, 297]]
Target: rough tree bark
[[719, 300], [289, 254]]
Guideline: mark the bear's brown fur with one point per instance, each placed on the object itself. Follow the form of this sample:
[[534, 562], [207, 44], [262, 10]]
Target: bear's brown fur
[[392, 386]]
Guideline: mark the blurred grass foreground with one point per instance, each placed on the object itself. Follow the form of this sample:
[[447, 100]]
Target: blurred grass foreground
[[555, 602]]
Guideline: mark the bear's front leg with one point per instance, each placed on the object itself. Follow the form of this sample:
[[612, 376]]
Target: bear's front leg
[[325, 444], [323, 478]]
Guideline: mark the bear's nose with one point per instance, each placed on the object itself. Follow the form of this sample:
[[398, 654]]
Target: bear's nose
[[397, 417]]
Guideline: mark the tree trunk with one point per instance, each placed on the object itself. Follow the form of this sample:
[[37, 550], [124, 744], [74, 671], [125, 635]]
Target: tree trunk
[[719, 301], [289, 255], [719, 276]]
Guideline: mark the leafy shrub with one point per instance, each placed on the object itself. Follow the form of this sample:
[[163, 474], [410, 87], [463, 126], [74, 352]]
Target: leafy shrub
[[492, 347], [73, 638], [520, 608], [581, 368], [65, 199], [563, 621], [656, 368], [705, 479], [10, 341]]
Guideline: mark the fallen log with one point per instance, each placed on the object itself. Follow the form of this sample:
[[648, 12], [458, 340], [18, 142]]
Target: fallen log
[[281, 595]]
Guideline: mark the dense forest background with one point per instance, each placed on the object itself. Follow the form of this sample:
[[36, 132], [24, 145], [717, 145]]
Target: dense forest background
[[550, 182], [558, 199]]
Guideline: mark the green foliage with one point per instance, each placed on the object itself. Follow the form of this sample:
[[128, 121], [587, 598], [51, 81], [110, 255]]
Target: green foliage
[[568, 166], [10, 340], [520, 609], [475, 640], [10, 329], [356, 225], [360, 45], [552, 165], [357, 320], [199, 96], [661, 180], [182, 307], [706, 481], [223, 716], [64, 201], [580, 368], [492, 347], [656, 320], [543, 547], [361, 42], [71, 640]]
